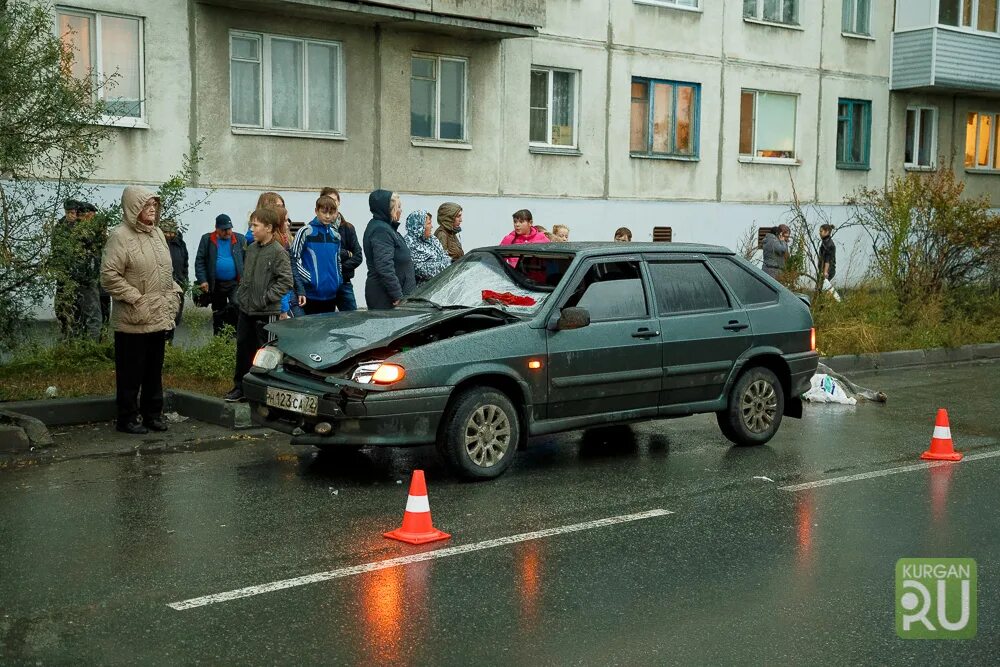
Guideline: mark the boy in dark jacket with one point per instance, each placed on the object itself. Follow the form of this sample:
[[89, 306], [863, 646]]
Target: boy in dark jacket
[[350, 254], [316, 250], [179, 260], [390, 266], [828, 259], [267, 277]]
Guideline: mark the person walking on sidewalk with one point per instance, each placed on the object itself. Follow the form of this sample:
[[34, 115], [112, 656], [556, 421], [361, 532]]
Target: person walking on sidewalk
[[266, 281], [390, 265], [218, 267], [137, 273], [316, 250], [827, 260]]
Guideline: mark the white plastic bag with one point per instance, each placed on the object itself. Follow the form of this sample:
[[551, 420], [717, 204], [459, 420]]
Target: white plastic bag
[[826, 389]]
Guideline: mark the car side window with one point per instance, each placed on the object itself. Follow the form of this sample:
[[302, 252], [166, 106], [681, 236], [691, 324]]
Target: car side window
[[686, 287], [749, 289], [611, 291]]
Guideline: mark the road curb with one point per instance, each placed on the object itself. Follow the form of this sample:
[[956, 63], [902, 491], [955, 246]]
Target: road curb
[[66, 411], [209, 409], [849, 363]]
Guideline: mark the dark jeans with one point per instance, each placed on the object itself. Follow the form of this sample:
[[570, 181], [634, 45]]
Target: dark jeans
[[139, 375], [315, 306], [224, 310], [345, 298], [250, 337]]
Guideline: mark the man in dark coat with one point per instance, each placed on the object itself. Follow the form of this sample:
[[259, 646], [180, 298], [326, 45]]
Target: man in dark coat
[[218, 267], [390, 266], [179, 260]]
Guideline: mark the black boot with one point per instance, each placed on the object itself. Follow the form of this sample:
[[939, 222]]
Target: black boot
[[154, 424], [134, 428]]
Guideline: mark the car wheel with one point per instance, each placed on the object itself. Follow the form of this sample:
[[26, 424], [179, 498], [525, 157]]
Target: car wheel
[[756, 404], [480, 433]]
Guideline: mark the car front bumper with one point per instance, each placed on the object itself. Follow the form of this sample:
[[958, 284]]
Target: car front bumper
[[397, 418]]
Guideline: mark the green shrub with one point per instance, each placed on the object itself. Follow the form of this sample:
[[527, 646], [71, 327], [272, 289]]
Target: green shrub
[[215, 360]]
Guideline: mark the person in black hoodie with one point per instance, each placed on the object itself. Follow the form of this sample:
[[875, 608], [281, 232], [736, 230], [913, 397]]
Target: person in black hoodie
[[179, 259], [350, 255], [390, 266]]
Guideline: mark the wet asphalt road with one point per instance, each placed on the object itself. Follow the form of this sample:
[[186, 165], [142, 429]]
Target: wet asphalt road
[[93, 549]]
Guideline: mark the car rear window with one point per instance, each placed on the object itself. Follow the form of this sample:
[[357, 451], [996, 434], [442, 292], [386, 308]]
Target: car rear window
[[686, 287], [749, 289]]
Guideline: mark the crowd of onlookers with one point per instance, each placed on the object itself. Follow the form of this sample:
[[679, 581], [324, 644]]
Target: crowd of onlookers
[[266, 274]]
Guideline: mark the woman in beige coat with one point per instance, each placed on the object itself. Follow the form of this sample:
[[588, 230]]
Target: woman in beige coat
[[137, 272]]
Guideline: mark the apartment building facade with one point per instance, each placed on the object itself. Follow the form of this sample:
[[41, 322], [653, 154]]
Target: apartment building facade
[[700, 115]]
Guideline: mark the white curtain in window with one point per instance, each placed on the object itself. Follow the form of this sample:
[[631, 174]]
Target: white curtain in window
[[120, 60], [776, 123], [663, 117], [286, 84], [76, 33], [452, 99], [562, 108], [684, 140], [323, 84], [244, 81]]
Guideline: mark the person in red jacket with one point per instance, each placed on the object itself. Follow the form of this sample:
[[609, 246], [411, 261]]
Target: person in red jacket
[[524, 232]]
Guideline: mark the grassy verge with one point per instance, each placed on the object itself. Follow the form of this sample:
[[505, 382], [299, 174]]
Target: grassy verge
[[84, 368]]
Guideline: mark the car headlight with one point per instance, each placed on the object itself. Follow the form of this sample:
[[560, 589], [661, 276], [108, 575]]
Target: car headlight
[[377, 372], [267, 358]]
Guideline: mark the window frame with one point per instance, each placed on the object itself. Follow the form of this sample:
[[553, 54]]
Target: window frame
[[853, 31], [752, 157], [758, 16], [671, 4], [549, 146], [917, 129], [436, 139], [866, 160], [973, 20], [264, 104], [97, 60], [695, 154], [651, 261], [993, 148]]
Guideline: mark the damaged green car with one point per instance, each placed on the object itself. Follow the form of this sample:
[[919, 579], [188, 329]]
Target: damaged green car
[[517, 341]]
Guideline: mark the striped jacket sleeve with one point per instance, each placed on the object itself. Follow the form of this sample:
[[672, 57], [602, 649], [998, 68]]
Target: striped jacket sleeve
[[298, 245]]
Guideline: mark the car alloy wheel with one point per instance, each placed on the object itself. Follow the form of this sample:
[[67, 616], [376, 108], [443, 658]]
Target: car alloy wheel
[[487, 436], [759, 405]]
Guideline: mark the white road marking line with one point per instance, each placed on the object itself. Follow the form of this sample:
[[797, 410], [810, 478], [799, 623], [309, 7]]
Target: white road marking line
[[406, 560], [887, 471]]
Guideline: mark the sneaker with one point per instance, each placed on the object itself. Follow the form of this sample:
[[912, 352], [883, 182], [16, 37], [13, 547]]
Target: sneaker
[[235, 395]]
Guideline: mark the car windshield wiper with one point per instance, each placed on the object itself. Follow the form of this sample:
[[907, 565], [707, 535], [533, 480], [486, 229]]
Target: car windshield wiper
[[420, 299]]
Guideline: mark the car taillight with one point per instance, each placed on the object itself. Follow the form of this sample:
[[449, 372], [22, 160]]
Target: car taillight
[[388, 374], [812, 339]]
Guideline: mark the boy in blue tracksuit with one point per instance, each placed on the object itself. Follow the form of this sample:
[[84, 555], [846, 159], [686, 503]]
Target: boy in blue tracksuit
[[316, 251]]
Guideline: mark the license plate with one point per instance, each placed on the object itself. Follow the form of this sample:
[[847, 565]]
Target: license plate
[[293, 401]]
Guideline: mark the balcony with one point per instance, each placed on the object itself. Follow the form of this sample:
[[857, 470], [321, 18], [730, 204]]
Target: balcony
[[471, 19], [945, 59]]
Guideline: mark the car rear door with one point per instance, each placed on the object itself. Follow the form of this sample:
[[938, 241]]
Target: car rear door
[[612, 365], [704, 331]]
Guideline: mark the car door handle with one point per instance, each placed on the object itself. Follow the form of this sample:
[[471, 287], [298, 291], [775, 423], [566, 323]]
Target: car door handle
[[645, 333], [735, 325]]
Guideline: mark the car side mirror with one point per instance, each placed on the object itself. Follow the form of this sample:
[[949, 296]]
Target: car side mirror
[[573, 318]]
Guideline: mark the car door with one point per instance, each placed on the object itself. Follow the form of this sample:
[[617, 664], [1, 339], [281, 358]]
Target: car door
[[613, 364], [703, 330]]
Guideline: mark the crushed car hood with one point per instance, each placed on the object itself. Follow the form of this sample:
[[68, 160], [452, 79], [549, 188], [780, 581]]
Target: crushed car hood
[[321, 341]]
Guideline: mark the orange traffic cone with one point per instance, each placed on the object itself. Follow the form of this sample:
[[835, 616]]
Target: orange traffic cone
[[941, 445], [417, 527]]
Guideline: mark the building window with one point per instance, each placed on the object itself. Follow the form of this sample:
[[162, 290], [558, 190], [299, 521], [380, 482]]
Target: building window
[[857, 17], [438, 97], [854, 133], [974, 14], [921, 138], [982, 141], [772, 11], [553, 108], [664, 118], [767, 124], [284, 84], [107, 45]]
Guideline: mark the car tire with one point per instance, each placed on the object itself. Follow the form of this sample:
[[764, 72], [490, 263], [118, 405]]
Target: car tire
[[756, 405], [480, 433]]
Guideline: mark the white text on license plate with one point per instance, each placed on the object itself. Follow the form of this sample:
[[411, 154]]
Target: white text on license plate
[[291, 400]]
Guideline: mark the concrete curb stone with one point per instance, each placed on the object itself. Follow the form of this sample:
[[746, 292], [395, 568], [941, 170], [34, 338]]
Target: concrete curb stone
[[209, 409], [849, 363], [13, 439], [66, 411]]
